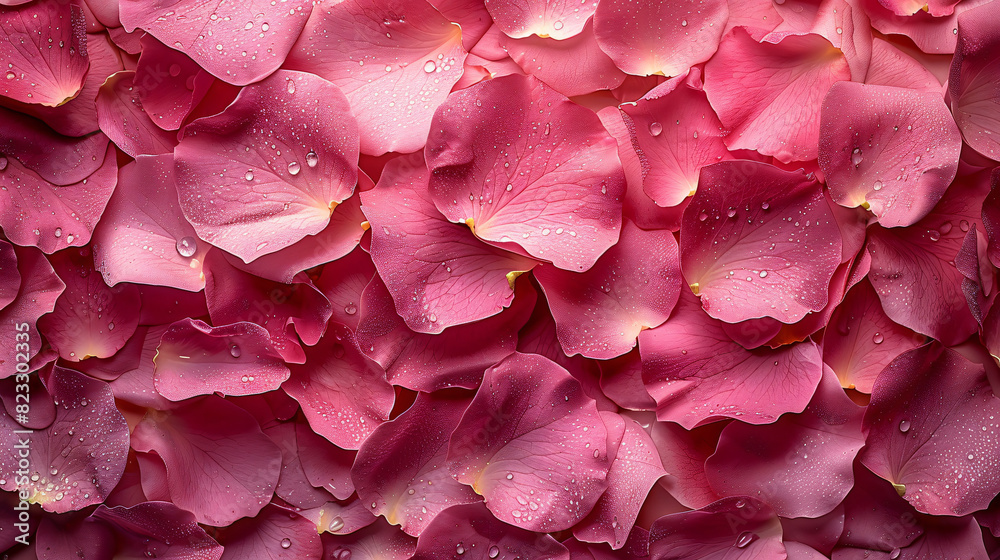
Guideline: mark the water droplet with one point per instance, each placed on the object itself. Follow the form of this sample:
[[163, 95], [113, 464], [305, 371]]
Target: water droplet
[[351, 309], [916, 159], [895, 554], [510, 187], [249, 175], [557, 25], [971, 456], [684, 23], [111, 326], [702, 217], [286, 543], [731, 212], [493, 552], [459, 550], [336, 524], [745, 538], [429, 66], [187, 246], [312, 159], [904, 426], [856, 157], [878, 338], [432, 318], [945, 228], [291, 86], [934, 235], [264, 26], [655, 128], [11, 75], [877, 186], [3, 163], [964, 225], [764, 205], [58, 232], [294, 168], [235, 351], [510, 476], [763, 274], [248, 26], [175, 70]]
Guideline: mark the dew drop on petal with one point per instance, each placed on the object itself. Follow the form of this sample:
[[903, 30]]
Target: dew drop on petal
[[655, 128], [895, 554], [351, 309], [58, 232], [312, 159], [286, 543], [856, 157], [904, 426], [964, 225], [429, 66], [745, 539], [235, 351], [493, 552], [878, 338], [557, 25], [877, 186], [336, 524], [294, 168], [249, 175], [459, 550], [187, 246]]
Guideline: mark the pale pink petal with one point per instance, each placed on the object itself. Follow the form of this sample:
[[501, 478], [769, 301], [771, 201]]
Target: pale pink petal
[[659, 36], [395, 60], [239, 42], [632, 287], [898, 167], [549, 181], [758, 241], [343, 281], [143, 236], [892, 67], [121, 116], [558, 19], [261, 201], [974, 72], [770, 94], [470, 15]]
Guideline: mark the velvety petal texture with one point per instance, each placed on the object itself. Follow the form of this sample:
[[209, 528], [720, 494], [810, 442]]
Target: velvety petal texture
[[732, 528], [973, 71]]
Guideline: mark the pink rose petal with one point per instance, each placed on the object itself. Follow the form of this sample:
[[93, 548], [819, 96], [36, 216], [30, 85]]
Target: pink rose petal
[[770, 94], [168, 84], [560, 19], [37, 295], [343, 281], [378, 541], [160, 529], [396, 60], [122, 117], [731, 528], [275, 534], [683, 454], [474, 531], [565, 182], [974, 70], [324, 464], [758, 241], [260, 201], [54, 158]]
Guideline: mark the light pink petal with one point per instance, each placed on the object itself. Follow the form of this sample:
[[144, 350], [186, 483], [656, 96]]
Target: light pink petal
[[287, 312], [506, 450], [770, 94], [53, 157], [632, 287], [559, 19], [635, 470], [935, 35], [396, 60], [974, 71], [925, 421], [474, 531], [438, 272], [220, 466], [337, 239], [659, 37], [239, 42], [899, 167], [936, 8], [160, 529], [122, 118], [913, 271], [565, 181], [136, 385], [260, 200], [275, 534], [758, 241], [470, 15], [675, 133], [324, 464], [90, 319], [35, 212], [79, 457], [377, 541], [37, 295], [729, 529], [143, 236], [194, 358], [799, 465], [572, 66], [44, 47], [402, 466], [697, 374], [343, 394], [343, 281], [168, 84], [861, 340], [892, 67], [456, 357]]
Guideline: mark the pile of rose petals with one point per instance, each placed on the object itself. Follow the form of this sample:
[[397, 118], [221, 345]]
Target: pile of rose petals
[[500, 279]]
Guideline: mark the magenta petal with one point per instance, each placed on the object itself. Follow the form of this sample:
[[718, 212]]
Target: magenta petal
[[697, 374], [90, 319], [10, 278], [35, 71], [77, 537], [621, 381], [505, 449], [52, 217], [246, 45], [168, 84], [343, 394], [861, 340], [136, 385], [770, 94], [671, 153], [876, 516], [948, 537], [632, 287], [758, 241], [39, 291], [159, 530], [55, 158], [402, 466], [636, 469], [343, 282], [456, 357], [236, 359], [324, 464], [396, 60], [43, 410], [275, 534], [900, 169], [293, 486], [472, 530], [924, 423], [974, 71], [143, 236], [220, 466], [729, 529], [377, 541], [659, 36], [429, 265], [799, 465], [122, 118], [557, 193], [80, 457], [259, 201]]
